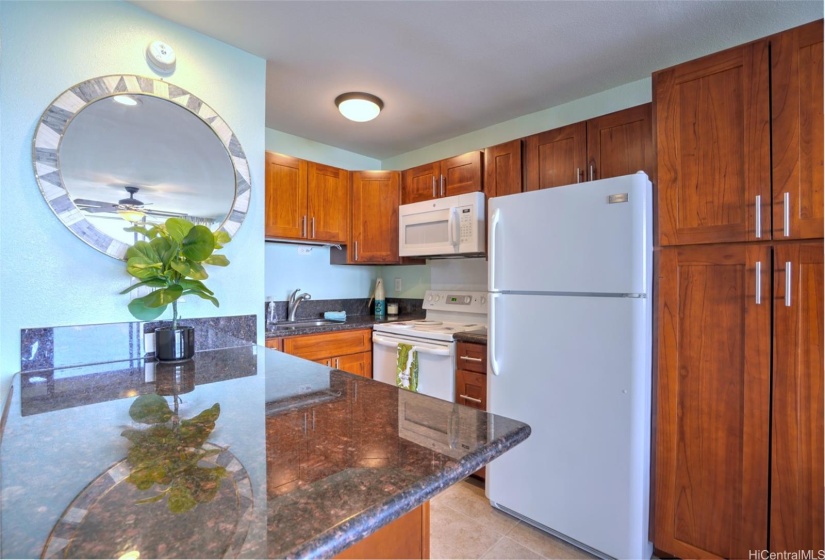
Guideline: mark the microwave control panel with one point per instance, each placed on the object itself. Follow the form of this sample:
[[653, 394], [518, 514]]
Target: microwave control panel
[[466, 221]]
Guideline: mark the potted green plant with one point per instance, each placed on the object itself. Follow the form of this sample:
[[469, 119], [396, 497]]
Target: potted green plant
[[172, 263]]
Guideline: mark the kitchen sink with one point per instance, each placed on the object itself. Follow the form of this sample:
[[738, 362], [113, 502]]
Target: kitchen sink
[[289, 325]]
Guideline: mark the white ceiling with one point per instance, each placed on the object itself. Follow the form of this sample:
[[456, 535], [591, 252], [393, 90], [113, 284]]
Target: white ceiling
[[446, 68]]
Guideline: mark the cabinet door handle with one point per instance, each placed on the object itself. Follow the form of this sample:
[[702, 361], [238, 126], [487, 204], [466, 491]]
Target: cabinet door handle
[[313, 227], [336, 363], [356, 250], [578, 174], [758, 282], [788, 283], [441, 182], [433, 186], [758, 216], [786, 211], [304, 226], [470, 399], [469, 359], [592, 172]]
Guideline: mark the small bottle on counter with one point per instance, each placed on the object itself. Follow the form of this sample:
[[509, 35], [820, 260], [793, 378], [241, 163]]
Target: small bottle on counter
[[380, 299]]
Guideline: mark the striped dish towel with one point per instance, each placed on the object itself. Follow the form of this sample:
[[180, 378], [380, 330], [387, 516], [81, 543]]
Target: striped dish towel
[[406, 371]]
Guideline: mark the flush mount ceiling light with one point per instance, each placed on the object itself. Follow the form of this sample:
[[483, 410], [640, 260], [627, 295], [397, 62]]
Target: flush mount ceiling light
[[358, 106], [127, 100]]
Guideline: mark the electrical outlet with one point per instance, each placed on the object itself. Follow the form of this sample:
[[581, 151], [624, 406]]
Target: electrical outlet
[[148, 342], [399, 285]]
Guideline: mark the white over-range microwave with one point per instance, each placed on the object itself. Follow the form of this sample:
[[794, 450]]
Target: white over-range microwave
[[452, 226]]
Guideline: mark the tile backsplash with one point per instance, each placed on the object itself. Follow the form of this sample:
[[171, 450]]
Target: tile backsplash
[[314, 309]]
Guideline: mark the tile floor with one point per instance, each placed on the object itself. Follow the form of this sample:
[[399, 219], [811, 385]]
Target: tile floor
[[464, 525]]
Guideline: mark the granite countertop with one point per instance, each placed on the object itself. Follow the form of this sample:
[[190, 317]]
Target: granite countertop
[[478, 336], [240, 452], [352, 322]]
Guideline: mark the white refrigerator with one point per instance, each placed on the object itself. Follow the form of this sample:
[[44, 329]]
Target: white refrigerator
[[569, 354]]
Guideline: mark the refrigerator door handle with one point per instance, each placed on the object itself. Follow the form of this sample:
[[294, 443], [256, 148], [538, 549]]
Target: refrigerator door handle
[[493, 229], [493, 360]]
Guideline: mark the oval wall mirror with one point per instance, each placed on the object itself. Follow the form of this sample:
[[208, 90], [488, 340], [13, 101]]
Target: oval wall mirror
[[117, 150]]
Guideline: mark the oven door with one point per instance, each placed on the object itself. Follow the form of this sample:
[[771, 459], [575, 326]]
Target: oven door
[[436, 363]]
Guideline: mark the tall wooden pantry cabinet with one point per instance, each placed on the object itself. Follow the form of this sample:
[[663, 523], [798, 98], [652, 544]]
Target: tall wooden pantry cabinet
[[738, 395]]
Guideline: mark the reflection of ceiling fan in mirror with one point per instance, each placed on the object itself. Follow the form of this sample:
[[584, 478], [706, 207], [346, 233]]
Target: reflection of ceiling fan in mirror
[[130, 209]]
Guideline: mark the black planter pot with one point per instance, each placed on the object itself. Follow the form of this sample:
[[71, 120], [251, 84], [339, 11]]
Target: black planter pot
[[174, 345]]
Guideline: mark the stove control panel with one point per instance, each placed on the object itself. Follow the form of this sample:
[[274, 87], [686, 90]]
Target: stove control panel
[[456, 300]]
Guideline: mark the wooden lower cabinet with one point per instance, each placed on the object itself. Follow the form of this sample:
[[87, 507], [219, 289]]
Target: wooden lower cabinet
[[349, 351], [797, 502], [739, 400], [471, 379], [713, 402], [359, 364], [406, 537]]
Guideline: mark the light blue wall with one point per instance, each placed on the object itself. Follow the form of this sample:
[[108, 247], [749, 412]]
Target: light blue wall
[[615, 99], [291, 266], [48, 277], [295, 146]]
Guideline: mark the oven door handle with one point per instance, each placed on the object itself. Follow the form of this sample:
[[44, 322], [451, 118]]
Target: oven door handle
[[417, 346]]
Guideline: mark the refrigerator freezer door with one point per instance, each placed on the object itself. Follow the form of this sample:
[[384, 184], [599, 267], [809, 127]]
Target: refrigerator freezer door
[[586, 238], [577, 370]]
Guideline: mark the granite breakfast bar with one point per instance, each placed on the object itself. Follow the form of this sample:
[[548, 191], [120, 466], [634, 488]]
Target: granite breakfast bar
[[241, 452]]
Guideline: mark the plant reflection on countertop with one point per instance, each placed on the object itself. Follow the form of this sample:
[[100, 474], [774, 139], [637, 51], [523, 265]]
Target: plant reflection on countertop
[[168, 453]]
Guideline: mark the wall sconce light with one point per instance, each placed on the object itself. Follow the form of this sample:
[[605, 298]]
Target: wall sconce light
[[358, 106]]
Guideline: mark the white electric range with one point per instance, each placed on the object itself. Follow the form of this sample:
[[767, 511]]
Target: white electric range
[[447, 312]]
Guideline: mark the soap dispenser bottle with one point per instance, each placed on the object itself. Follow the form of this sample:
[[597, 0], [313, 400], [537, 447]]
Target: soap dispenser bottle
[[380, 300]]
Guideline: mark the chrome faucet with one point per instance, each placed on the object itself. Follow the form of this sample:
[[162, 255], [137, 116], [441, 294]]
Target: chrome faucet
[[294, 301]]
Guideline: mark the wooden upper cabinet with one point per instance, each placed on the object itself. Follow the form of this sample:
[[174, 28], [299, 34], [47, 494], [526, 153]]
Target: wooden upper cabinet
[[306, 200], [797, 116], [621, 143], [327, 203], [502, 169], [448, 177], [375, 198], [286, 194], [556, 157], [461, 174], [797, 457], [421, 183], [713, 401], [713, 147]]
